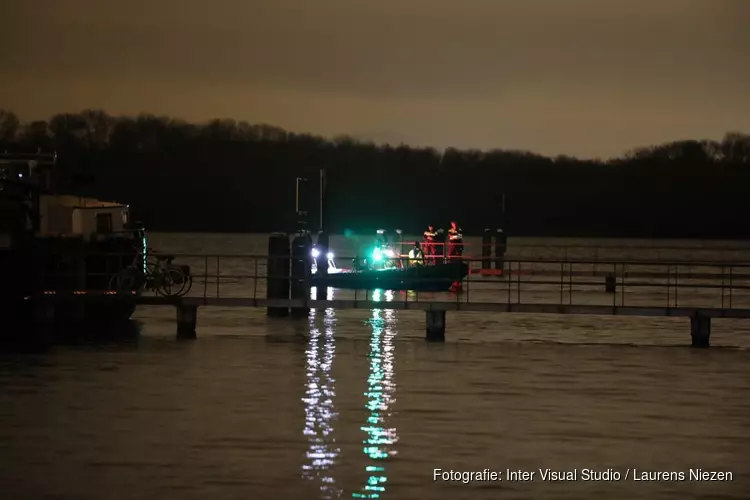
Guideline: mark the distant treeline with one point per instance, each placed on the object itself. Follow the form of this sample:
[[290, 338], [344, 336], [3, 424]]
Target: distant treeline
[[228, 176]]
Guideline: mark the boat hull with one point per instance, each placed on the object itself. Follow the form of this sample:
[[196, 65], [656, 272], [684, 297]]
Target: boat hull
[[95, 311], [437, 278], [52, 265]]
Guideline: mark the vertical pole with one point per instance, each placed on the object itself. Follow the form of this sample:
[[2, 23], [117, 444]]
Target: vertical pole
[[323, 246], [518, 284], [255, 280], [301, 215], [510, 274], [322, 195], [614, 293], [570, 283], [205, 277], [296, 197], [502, 218], [730, 286]]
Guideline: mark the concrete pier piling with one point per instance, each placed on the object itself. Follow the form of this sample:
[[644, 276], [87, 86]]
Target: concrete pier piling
[[187, 321], [301, 272], [435, 325], [700, 330], [277, 273]]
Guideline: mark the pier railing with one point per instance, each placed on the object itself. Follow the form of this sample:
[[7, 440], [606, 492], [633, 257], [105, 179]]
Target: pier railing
[[474, 247], [596, 253], [636, 283]]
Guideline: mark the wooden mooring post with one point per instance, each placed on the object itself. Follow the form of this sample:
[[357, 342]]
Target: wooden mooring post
[[700, 330], [435, 325], [187, 321], [610, 283]]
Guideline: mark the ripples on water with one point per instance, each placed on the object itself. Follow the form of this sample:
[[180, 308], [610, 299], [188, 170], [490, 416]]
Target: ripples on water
[[354, 404]]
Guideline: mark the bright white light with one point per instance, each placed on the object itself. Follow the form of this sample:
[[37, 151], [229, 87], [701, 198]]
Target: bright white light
[[381, 231], [389, 253], [329, 256], [315, 253]]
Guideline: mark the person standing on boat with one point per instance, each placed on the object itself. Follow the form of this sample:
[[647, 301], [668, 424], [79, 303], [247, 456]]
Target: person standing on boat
[[429, 244], [455, 241], [416, 256]]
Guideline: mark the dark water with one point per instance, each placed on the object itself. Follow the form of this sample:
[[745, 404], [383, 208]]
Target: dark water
[[353, 403]]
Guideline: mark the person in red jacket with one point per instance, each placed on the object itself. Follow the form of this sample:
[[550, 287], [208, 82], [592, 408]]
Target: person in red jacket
[[429, 244], [455, 241]]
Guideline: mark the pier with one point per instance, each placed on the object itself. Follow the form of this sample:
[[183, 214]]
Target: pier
[[698, 291]]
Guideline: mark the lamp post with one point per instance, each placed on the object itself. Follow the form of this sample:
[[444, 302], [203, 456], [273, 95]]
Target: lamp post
[[301, 214], [322, 196]]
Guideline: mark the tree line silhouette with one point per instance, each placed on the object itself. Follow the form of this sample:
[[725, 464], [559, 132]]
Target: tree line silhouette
[[229, 176]]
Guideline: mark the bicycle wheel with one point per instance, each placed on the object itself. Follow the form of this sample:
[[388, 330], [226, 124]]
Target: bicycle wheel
[[188, 284], [171, 283], [125, 280]]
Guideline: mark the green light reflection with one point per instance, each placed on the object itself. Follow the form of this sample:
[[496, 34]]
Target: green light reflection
[[379, 438]]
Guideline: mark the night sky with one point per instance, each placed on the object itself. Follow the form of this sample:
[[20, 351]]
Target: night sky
[[589, 78]]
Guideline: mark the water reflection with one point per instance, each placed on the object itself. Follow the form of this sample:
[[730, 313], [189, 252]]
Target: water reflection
[[380, 295], [320, 413], [380, 439], [314, 293]]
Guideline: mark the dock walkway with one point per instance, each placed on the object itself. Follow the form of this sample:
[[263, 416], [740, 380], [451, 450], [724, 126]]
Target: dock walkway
[[696, 290]]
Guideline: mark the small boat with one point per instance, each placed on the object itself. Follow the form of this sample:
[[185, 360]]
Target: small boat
[[434, 278]]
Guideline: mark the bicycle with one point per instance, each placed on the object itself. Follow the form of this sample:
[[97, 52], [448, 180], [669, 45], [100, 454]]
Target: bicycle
[[162, 277]]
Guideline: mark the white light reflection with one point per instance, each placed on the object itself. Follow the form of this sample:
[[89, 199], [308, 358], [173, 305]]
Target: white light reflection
[[380, 296], [320, 412], [314, 293], [380, 439]]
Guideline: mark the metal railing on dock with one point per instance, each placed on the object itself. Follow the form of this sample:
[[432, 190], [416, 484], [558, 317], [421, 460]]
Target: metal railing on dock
[[620, 283], [698, 290], [474, 247]]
